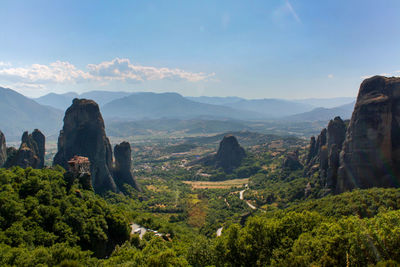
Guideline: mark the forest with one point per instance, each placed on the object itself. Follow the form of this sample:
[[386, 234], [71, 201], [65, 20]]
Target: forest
[[46, 222]]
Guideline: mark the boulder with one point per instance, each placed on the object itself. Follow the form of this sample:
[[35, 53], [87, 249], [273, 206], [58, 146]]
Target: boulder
[[371, 151], [83, 134]]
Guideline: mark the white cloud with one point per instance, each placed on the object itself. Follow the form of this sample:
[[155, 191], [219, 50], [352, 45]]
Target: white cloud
[[330, 76], [121, 70], [4, 64], [124, 70], [56, 72]]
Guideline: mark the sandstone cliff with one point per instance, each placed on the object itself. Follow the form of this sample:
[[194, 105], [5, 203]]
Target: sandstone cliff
[[230, 154], [371, 152], [83, 134], [30, 153], [323, 154], [122, 169]]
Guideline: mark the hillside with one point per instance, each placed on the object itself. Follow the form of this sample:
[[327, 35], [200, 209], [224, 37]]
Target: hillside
[[58, 101], [323, 114], [215, 100], [63, 101], [171, 126], [271, 108], [169, 105], [326, 102], [19, 113]]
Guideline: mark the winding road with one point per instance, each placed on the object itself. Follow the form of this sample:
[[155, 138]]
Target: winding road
[[242, 198]]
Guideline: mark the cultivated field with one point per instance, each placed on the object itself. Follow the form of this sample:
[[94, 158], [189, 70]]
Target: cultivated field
[[218, 184]]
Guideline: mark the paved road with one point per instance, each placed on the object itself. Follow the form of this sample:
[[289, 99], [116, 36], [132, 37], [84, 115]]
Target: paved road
[[250, 205], [241, 193], [241, 196]]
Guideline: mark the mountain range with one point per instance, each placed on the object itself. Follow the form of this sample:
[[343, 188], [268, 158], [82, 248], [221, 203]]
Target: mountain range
[[19, 113]]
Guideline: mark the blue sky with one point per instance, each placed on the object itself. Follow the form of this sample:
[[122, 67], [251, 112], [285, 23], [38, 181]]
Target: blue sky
[[253, 49]]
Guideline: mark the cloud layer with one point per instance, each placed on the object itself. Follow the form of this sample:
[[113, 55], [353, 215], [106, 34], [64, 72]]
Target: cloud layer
[[115, 70]]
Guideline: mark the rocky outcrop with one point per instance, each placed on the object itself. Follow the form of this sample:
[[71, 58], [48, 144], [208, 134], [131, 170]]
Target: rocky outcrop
[[230, 154], [292, 162], [122, 170], [40, 140], [312, 150], [323, 155], [336, 133], [11, 153], [30, 153], [371, 152], [3, 149], [313, 162], [83, 134]]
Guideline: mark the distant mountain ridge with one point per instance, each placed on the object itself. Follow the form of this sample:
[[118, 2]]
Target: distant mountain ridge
[[169, 105], [323, 114], [326, 102], [63, 101], [19, 113], [271, 108]]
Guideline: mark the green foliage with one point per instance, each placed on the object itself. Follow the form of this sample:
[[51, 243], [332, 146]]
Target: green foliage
[[44, 223], [361, 203], [36, 210]]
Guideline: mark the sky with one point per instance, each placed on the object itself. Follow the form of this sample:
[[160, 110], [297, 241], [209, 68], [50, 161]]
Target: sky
[[253, 49]]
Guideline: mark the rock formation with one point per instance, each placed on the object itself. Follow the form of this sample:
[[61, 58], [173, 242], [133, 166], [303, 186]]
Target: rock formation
[[30, 153], [336, 135], [11, 153], [122, 169], [323, 155], [83, 134], [292, 162], [367, 154], [371, 152], [230, 154], [40, 140], [312, 150], [3, 149]]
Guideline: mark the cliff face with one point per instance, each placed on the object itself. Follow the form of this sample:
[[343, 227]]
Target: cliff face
[[3, 149], [30, 153], [371, 151], [367, 154], [83, 134], [122, 170], [323, 155], [40, 140], [230, 154]]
